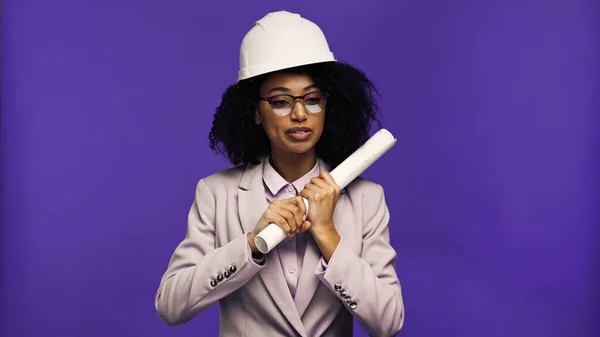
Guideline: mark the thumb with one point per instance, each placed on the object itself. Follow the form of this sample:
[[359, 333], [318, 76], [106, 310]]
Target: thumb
[[305, 226]]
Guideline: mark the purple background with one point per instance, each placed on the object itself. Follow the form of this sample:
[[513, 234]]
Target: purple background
[[493, 187]]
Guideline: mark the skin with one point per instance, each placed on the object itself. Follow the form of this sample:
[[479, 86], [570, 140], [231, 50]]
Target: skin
[[293, 159]]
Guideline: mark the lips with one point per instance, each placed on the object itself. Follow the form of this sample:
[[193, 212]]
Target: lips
[[299, 133], [298, 130]]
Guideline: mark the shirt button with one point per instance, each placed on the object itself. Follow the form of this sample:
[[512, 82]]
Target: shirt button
[[290, 188], [292, 270]]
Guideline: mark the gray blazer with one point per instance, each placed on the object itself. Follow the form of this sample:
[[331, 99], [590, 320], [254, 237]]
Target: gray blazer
[[213, 263]]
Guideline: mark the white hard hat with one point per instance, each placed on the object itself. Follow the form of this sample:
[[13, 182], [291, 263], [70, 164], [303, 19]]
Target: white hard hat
[[281, 40]]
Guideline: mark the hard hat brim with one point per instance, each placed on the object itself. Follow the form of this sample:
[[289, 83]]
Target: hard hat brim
[[248, 73]]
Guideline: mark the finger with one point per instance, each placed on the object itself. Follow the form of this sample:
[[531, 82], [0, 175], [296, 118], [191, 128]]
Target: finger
[[305, 226], [308, 192], [314, 193], [299, 203], [289, 204], [329, 180], [293, 214], [289, 217], [312, 187], [279, 221], [287, 210], [328, 186], [298, 214], [320, 182], [301, 206]]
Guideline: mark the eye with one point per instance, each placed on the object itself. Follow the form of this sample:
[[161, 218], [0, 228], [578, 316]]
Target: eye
[[279, 103], [313, 99]]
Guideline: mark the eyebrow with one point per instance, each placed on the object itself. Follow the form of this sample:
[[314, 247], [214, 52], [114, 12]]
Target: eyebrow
[[284, 89]]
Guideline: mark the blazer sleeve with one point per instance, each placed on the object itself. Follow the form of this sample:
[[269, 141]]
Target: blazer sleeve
[[199, 274], [367, 283]]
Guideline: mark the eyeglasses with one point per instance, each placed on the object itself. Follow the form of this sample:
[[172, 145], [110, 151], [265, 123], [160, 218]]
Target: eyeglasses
[[314, 102]]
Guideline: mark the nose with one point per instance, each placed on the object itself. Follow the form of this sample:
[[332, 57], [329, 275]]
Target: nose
[[298, 112]]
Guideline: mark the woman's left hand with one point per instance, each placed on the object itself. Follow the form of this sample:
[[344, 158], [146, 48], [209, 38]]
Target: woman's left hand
[[322, 193]]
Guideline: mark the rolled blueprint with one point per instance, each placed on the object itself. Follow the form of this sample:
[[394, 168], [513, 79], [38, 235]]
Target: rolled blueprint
[[343, 175]]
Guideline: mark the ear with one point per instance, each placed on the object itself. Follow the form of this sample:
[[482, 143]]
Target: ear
[[257, 117]]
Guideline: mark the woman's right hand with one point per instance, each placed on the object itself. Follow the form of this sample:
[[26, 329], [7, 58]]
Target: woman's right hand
[[288, 214]]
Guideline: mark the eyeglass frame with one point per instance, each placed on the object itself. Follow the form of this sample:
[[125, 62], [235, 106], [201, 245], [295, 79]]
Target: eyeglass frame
[[295, 98]]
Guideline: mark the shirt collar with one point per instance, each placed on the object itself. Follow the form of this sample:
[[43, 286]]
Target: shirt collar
[[275, 181]]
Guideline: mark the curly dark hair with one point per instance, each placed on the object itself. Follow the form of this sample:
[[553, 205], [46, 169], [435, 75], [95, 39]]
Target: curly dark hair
[[351, 108]]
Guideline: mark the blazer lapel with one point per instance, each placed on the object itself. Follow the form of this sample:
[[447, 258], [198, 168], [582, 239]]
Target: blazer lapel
[[252, 202], [308, 282]]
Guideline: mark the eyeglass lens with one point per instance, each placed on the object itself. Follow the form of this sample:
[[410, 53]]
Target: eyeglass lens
[[283, 104]]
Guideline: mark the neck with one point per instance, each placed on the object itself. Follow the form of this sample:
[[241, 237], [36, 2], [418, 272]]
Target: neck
[[292, 166]]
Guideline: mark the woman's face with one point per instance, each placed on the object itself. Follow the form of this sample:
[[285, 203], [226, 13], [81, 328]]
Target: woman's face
[[293, 126]]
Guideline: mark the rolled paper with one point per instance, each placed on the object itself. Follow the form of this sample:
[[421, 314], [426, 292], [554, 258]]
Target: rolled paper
[[343, 175]]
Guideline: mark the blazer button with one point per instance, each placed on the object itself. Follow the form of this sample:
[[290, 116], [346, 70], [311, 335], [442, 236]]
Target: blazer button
[[344, 293], [219, 277], [337, 287], [232, 269], [227, 273], [353, 304], [213, 282]]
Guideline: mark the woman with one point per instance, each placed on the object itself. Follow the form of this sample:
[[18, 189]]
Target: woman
[[294, 114]]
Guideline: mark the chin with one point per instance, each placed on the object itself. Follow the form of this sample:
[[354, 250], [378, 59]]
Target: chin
[[299, 148]]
